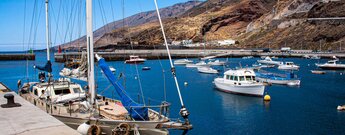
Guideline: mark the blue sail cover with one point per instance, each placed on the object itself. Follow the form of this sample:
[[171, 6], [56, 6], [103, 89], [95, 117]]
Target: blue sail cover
[[136, 111], [47, 67]]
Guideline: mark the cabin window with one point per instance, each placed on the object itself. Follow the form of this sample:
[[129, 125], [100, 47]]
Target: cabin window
[[35, 92], [253, 78], [232, 77], [241, 78], [62, 91], [76, 90], [228, 77], [236, 78], [248, 78]]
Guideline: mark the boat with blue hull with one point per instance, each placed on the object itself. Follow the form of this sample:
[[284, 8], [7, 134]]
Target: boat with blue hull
[[282, 79]]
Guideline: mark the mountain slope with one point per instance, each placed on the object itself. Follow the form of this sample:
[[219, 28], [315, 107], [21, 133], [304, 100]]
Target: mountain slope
[[135, 20]]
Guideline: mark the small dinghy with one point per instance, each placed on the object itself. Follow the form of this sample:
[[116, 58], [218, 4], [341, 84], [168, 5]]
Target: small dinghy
[[146, 68], [317, 72], [341, 108]]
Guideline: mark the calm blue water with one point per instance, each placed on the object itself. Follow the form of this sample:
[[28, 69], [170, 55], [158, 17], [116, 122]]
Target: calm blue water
[[308, 109]]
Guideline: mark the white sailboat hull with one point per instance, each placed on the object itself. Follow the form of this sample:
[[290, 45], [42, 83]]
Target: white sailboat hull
[[246, 89], [145, 127]]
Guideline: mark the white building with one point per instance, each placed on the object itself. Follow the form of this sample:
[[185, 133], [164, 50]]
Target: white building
[[226, 42]]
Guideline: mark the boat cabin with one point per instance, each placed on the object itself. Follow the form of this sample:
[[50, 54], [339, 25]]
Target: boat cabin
[[289, 63], [56, 89], [241, 75], [133, 57], [332, 62]]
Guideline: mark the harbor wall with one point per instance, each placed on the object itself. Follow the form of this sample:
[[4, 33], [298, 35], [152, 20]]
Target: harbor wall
[[120, 55], [17, 57]]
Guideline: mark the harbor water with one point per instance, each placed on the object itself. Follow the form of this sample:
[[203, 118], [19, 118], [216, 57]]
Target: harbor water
[[306, 109]]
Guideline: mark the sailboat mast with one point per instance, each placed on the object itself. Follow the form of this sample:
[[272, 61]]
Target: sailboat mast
[[90, 58], [47, 30]]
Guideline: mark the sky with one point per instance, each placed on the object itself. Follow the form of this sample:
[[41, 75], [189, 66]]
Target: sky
[[22, 24]]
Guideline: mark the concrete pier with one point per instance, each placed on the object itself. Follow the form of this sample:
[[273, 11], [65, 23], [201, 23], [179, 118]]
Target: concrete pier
[[193, 53], [17, 56], [28, 119]]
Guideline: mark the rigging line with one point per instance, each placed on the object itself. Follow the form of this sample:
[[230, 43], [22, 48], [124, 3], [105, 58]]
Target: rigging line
[[69, 19], [32, 23], [27, 61], [24, 24], [57, 32], [80, 21], [167, 47], [72, 23], [136, 65], [37, 23], [112, 12], [159, 60], [101, 10]]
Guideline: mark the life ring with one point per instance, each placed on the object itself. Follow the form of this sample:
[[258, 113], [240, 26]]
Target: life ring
[[94, 130], [122, 129]]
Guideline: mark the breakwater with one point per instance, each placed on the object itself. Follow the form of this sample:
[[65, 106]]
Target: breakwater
[[193, 53], [17, 56]]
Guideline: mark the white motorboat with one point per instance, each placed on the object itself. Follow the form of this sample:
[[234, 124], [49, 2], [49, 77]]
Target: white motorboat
[[247, 57], [133, 59], [331, 65], [199, 64], [182, 62], [207, 70], [216, 63], [241, 81], [269, 61], [315, 57], [259, 65], [274, 57], [272, 78], [288, 66], [306, 56], [208, 57]]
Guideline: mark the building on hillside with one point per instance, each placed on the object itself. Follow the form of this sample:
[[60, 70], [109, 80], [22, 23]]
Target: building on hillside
[[226, 42], [186, 42], [176, 43]]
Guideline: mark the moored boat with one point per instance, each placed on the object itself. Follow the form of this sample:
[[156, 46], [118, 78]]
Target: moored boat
[[207, 70], [269, 61], [287, 79], [241, 81], [331, 65], [182, 62], [133, 59], [216, 63], [317, 72], [288, 66]]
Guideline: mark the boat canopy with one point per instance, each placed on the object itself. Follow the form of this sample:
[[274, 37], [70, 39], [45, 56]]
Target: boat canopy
[[136, 111], [47, 67]]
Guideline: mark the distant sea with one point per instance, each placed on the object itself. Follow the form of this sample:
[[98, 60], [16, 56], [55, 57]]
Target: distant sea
[[307, 109]]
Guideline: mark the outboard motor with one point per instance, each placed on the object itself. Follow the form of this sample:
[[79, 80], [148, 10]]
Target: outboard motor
[[42, 76]]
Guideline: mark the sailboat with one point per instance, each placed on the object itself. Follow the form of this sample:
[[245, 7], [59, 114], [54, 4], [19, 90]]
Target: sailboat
[[90, 113]]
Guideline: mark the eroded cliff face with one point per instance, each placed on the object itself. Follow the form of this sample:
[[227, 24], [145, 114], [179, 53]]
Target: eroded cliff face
[[221, 19], [254, 23], [297, 24]]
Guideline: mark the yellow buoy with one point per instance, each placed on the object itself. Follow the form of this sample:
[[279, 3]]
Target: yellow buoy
[[267, 97]]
